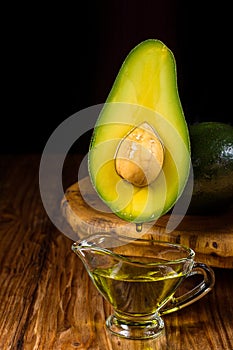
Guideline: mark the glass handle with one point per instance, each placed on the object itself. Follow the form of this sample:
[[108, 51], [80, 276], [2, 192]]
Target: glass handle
[[177, 303]]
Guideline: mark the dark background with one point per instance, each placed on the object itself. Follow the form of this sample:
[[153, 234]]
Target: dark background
[[57, 60]]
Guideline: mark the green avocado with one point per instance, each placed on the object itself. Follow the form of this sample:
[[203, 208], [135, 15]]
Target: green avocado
[[212, 161], [139, 156]]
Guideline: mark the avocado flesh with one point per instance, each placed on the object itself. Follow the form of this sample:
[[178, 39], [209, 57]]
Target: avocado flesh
[[145, 90]]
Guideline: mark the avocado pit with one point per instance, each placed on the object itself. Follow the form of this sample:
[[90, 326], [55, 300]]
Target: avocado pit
[[140, 155]]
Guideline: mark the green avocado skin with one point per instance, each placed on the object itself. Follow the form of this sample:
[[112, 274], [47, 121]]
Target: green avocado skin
[[212, 161]]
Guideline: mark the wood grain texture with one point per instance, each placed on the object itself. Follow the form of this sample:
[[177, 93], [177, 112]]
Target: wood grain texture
[[47, 300], [210, 236]]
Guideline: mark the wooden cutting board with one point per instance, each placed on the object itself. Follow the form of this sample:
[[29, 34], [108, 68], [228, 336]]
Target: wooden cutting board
[[211, 237]]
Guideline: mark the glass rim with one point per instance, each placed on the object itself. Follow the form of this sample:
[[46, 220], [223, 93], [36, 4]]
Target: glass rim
[[90, 243]]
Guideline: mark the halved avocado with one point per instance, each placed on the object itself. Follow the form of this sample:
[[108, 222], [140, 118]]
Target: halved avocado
[[144, 100]]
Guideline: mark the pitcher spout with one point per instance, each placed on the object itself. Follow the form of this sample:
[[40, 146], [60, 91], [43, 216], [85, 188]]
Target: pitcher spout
[[94, 254]]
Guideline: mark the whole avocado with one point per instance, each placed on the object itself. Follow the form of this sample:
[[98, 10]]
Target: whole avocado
[[212, 161]]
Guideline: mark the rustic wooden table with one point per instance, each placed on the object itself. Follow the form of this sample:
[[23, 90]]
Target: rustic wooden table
[[47, 300]]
